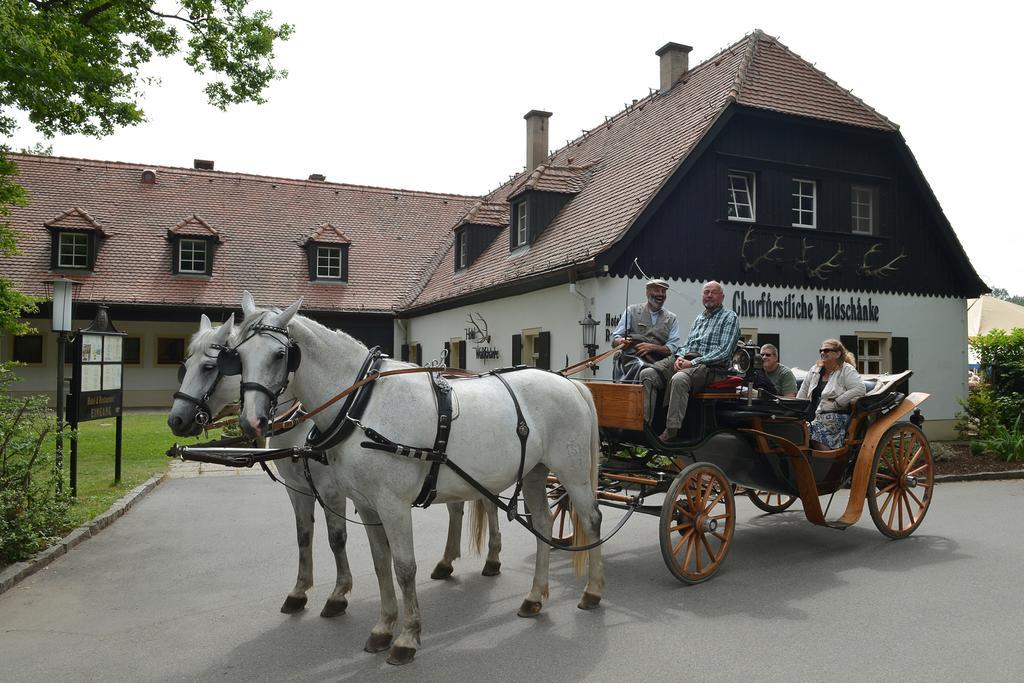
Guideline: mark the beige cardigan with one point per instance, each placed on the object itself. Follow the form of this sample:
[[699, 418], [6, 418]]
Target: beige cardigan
[[843, 386]]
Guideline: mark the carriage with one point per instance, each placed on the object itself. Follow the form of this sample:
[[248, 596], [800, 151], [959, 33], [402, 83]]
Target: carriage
[[737, 440]]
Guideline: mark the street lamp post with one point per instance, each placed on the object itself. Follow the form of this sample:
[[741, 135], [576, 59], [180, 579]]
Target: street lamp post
[[61, 290], [590, 338]]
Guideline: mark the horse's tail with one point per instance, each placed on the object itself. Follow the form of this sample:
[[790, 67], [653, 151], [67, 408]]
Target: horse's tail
[[477, 526], [579, 560]]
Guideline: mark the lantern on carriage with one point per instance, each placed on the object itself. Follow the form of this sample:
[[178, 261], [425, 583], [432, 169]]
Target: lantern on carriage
[[590, 338]]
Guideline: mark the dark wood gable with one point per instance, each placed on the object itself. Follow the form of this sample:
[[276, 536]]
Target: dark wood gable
[[687, 232], [540, 207], [477, 239]]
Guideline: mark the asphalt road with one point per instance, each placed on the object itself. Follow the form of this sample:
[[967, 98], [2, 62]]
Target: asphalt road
[[188, 584]]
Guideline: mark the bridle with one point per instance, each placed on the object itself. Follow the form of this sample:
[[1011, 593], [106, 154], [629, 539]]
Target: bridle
[[203, 414], [229, 363]]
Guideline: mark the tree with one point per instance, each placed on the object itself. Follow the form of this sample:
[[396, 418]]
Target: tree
[[1000, 293], [76, 66]]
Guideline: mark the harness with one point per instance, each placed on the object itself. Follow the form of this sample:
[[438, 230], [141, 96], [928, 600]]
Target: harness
[[203, 414]]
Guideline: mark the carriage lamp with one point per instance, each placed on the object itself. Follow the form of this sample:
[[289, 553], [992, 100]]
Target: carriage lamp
[[61, 291], [590, 338]]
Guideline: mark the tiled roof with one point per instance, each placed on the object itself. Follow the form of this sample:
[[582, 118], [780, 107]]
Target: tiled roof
[[486, 213], [194, 226], [630, 156], [552, 178], [328, 234], [263, 222], [75, 219]]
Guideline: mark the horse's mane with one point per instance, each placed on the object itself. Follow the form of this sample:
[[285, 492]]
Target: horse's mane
[[243, 329], [200, 340]]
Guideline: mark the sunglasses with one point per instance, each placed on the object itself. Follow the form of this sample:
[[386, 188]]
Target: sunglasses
[[827, 350], [767, 355]]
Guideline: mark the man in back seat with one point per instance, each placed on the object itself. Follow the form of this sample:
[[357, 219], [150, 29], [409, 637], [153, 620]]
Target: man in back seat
[[777, 373], [704, 357]]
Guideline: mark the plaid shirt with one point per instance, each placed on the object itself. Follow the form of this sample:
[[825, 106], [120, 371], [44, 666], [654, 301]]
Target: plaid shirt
[[714, 335]]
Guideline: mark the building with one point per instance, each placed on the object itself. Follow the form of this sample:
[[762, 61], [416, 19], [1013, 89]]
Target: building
[[752, 168]]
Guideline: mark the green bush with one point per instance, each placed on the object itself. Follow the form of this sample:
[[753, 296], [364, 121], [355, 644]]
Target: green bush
[[32, 514], [1008, 444], [993, 410]]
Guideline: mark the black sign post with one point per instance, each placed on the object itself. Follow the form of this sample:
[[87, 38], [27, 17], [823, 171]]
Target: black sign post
[[96, 384]]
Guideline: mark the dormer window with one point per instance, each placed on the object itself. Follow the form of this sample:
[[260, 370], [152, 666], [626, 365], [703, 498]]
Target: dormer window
[[74, 240], [461, 250], [73, 250], [520, 224], [193, 243], [192, 257], [327, 254]]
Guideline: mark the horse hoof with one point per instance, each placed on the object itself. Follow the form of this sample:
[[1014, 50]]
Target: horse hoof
[[589, 601], [441, 572], [377, 642], [491, 568], [293, 604], [529, 608], [401, 655], [334, 607]]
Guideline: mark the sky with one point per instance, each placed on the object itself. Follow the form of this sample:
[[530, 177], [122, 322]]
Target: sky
[[430, 96]]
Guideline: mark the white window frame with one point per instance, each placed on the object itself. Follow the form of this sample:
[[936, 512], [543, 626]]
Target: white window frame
[[882, 359], [749, 189], [73, 250], [328, 263], [462, 250], [522, 224], [800, 185], [202, 251], [857, 206]]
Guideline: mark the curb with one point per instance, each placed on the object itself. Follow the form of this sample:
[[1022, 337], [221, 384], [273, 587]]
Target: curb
[[981, 476], [10, 576]]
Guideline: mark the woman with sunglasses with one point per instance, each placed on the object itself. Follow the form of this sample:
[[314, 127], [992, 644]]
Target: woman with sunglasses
[[835, 380]]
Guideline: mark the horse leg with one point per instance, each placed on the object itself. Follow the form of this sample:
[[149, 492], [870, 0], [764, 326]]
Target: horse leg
[[587, 529], [453, 546], [337, 534], [302, 506], [492, 567], [380, 552], [398, 523], [540, 517]]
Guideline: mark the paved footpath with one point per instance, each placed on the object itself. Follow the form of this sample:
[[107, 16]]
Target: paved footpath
[[187, 586]]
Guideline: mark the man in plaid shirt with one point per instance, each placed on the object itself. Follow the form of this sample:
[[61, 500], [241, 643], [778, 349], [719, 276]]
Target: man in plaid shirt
[[704, 357]]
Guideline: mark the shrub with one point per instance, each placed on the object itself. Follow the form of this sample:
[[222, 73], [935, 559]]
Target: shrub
[[993, 410], [32, 514], [1007, 443]]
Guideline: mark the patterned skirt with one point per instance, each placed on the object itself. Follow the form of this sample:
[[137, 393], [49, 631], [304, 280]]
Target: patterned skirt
[[830, 429]]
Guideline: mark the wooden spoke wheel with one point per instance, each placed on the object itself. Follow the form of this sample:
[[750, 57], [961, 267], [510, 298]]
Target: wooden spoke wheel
[[770, 502], [698, 518], [902, 480], [561, 511]]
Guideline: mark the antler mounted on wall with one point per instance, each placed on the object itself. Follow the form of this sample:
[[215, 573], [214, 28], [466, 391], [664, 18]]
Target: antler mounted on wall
[[802, 263], [749, 265], [477, 333], [881, 271], [825, 268]]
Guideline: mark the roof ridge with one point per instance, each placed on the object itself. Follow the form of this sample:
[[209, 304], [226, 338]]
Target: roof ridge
[[237, 174], [884, 119], [741, 73]]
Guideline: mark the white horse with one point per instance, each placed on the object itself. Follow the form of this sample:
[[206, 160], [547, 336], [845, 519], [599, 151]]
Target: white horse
[[563, 438], [205, 391]]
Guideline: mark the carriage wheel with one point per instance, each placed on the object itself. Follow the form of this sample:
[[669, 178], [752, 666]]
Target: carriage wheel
[[561, 512], [902, 477], [698, 518], [770, 502]]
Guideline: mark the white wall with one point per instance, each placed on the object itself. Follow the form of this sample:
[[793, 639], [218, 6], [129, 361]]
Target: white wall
[[936, 328]]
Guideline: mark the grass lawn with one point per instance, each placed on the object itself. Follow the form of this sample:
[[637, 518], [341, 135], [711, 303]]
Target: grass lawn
[[144, 439]]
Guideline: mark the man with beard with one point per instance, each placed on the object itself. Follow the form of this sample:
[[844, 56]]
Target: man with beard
[[703, 358], [653, 331]]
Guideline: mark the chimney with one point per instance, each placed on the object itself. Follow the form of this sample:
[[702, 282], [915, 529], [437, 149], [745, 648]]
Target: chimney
[[317, 176], [536, 137], [202, 164], [675, 61]]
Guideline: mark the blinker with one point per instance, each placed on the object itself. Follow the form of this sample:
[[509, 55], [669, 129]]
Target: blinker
[[228, 362], [181, 373]]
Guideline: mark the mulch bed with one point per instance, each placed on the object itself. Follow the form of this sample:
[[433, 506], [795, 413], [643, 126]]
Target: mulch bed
[[957, 458]]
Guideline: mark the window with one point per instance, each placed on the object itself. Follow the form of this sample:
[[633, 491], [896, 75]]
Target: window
[[742, 196], [328, 262], [192, 256], [73, 250], [28, 349], [462, 250], [872, 355], [521, 225], [131, 351], [863, 205], [170, 350], [805, 200]]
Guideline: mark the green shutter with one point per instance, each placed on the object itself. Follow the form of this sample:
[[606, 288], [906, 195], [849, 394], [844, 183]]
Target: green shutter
[[517, 349], [405, 352], [543, 344], [900, 351]]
